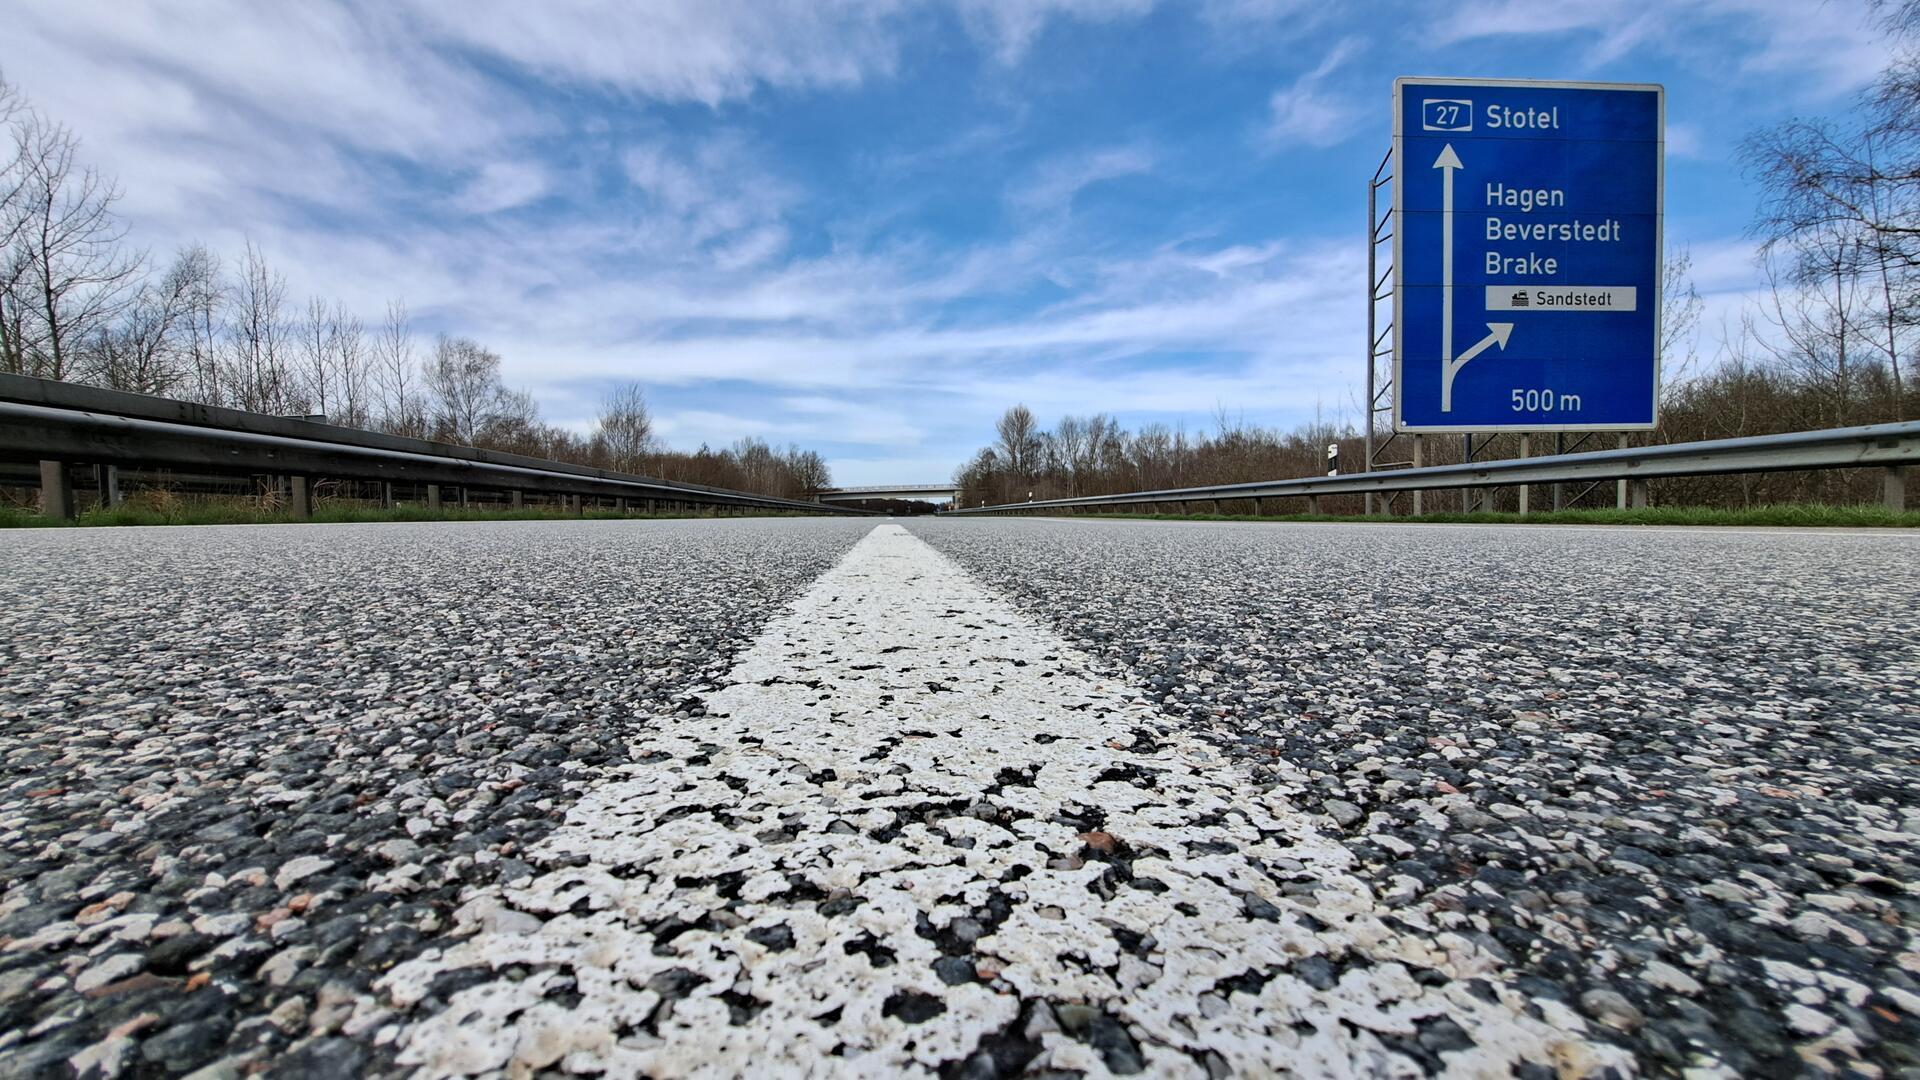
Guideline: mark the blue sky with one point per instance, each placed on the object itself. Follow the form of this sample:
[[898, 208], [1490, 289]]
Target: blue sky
[[867, 226]]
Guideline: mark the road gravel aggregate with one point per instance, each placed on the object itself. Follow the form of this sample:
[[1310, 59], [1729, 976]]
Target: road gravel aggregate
[[250, 769], [916, 834], [1055, 797], [1669, 778]]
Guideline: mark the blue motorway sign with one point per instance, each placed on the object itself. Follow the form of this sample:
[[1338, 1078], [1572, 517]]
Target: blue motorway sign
[[1526, 263]]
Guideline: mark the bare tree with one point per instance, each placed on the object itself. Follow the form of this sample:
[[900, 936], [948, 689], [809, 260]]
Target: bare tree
[[257, 377], [512, 423], [808, 472], [463, 382], [1680, 308], [197, 273], [394, 367], [1019, 444], [13, 183], [1844, 197], [625, 432], [69, 272], [141, 353], [1069, 444], [1815, 314], [316, 343], [347, 341]]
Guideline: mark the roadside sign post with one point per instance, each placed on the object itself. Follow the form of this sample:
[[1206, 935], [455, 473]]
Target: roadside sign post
[[1527, 255]]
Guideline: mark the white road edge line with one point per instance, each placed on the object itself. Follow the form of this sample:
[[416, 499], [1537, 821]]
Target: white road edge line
[[911, 814]]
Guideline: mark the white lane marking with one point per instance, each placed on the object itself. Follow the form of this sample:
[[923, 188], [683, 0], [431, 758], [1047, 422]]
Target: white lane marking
[[903, 762]]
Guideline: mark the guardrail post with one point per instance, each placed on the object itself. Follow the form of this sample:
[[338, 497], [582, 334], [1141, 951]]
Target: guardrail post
[[386, 494], [1620, 488], [519, 499], [108, 478], [433, 496], [573, 505], [1893, 488], [1313, 504], [1639, 490], [1526, 451], [301, 497], [1419, 460], [1559, 490], [56, 490]]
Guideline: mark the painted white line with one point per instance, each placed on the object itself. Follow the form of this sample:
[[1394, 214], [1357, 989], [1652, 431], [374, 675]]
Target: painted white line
[[912, 815]]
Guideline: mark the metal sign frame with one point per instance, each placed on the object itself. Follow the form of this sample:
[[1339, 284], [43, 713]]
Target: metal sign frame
[[1399, 261]]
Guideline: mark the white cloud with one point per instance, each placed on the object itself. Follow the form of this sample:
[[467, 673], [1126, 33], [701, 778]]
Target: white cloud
[[245, 105], [1259, 11], [503, 185], [1308, 113], [714, 188], [1010, 27], [1683, 140], [706, 51], [1829, 49], [1054, 184], [690, 427]]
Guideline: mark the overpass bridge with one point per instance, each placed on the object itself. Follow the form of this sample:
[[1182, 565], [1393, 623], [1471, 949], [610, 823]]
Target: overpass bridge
[[947, 491]]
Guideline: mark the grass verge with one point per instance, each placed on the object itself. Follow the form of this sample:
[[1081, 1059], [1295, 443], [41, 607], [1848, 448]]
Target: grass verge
[[228, 514], [1790, 515]]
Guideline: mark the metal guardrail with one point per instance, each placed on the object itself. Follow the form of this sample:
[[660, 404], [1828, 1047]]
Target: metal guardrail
[[1889, 447], [62, 424]]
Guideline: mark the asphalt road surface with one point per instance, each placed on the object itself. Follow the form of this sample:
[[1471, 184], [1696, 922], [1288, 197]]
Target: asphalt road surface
[[958, 797]]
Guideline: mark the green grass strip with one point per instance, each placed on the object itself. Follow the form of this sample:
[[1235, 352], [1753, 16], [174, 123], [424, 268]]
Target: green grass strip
[[226, 514], [1787, 515]]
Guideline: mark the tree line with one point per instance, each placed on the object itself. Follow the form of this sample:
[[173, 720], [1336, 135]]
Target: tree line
[[80, 303], [1826, 343]]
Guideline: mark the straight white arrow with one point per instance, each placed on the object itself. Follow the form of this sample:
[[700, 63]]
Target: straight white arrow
[[1501, 332], [1448, 161]]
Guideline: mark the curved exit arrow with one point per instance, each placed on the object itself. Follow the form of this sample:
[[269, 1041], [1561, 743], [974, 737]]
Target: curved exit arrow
[[1501, 332]]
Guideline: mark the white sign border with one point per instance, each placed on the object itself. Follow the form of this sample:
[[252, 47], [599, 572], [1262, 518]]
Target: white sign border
[[1399, 262]]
